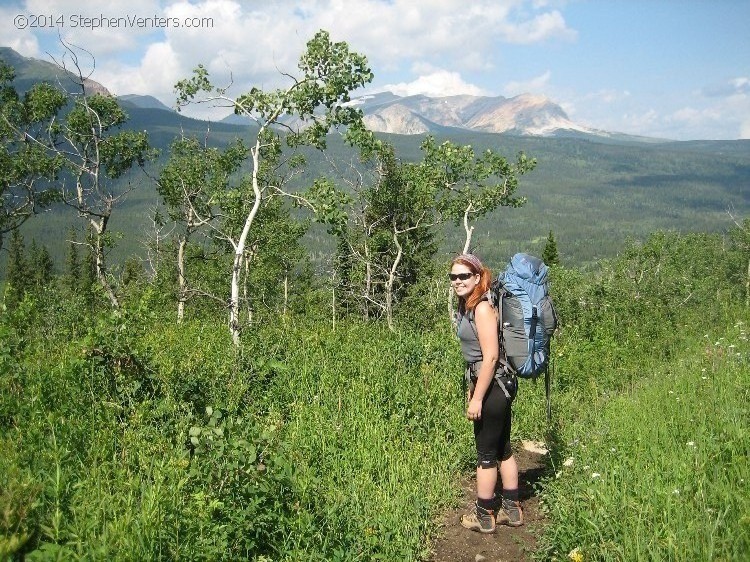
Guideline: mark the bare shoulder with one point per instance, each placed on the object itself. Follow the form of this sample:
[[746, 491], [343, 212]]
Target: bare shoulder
[[484, 310]]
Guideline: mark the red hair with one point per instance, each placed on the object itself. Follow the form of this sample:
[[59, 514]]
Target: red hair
[[485, 280]]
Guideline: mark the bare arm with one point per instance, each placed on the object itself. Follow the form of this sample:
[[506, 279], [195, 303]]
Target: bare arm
[[486, 322]]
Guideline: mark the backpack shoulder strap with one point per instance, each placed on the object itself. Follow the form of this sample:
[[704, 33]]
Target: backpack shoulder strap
[[502, 356]]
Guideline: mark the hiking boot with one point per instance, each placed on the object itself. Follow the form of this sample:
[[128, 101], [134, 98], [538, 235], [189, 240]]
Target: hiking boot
[[479, 519], [510, 513]]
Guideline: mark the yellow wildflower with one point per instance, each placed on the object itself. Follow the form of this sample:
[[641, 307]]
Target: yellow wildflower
[[576, 555]]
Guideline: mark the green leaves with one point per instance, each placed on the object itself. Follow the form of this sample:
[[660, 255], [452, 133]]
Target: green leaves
[[329, 203], [187, 89], [28, 162], [471, 183]]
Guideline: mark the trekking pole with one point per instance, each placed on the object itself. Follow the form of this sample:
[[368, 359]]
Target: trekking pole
[[547, 389]]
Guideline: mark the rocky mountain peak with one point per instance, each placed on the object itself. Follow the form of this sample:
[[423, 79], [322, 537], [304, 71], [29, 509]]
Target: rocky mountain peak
[[525, 114]]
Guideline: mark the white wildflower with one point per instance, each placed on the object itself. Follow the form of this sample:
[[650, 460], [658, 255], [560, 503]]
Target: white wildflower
[[595, 475], [676, 492], [690, 443], [568, 461]]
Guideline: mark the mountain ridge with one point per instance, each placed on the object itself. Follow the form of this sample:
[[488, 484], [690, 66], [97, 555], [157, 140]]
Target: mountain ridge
[[593, 191], [525, 114], [384, 112]]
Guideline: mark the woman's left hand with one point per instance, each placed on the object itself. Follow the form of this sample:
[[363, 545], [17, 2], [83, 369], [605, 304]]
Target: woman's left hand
[[474, 411]]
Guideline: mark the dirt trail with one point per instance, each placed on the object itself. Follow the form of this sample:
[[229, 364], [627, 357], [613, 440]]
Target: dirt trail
[[507, 544]]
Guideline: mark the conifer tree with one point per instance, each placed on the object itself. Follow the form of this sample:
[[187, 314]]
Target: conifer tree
[[550, 255], [88, 268], [18, 278], [73, 264], [40, 265]]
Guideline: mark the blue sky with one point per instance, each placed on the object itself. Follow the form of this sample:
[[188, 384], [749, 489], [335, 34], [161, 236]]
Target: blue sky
[[661, 68]]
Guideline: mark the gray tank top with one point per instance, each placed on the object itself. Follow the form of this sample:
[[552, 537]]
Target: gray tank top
[[467, 333]]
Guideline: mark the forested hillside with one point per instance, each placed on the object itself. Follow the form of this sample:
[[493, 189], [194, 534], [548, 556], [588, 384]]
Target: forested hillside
[[273, 373], [593, 193]]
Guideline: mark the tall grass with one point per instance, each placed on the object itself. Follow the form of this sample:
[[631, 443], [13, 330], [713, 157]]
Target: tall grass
[[650, 452], [661, 472], [144, 440], [128, 437]]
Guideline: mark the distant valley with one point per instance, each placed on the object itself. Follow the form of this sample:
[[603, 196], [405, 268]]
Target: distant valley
[[592, 188]]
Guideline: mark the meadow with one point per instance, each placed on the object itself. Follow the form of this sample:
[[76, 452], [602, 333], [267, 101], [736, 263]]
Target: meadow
[[127, 436]]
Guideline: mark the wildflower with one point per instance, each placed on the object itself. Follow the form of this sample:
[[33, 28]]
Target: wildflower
[[568, 461], [558, 474], [676, 492], [595, 475], [576, 555], [705, 378], [586, 467], [613, 450], [690, 443]]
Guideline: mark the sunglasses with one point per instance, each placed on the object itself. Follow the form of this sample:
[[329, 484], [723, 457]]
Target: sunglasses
[[461, 276]]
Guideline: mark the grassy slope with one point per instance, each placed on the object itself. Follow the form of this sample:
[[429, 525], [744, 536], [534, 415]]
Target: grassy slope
[[660, 472]]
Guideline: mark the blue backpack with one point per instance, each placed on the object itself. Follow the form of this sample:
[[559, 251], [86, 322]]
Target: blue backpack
[[526, 316]]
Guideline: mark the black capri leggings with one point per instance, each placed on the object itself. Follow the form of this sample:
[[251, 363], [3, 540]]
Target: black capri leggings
[[492, 431]]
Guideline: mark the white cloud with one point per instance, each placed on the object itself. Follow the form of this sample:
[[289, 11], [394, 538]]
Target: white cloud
[[20, 40], [536, 85], [550, 25], [733, 87], [101, 28], [436, 84], [607, 96], [254, 41]]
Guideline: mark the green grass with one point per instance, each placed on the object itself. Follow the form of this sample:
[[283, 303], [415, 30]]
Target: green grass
[[311, 444], [661, 472], [125, 436]]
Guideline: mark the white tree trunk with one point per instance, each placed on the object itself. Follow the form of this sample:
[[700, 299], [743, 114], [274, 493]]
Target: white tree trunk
[[469, 230], [451, 312], [368, 281], [245, 292], [286, 293], [239, 249], [182, 284], [101, 272], [333, 299], [391, 281]]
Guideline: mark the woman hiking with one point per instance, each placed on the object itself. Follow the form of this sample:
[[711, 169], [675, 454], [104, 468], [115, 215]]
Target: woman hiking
[[489, 396]]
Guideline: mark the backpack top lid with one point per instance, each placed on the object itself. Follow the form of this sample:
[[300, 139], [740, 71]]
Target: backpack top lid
[[528, 273]]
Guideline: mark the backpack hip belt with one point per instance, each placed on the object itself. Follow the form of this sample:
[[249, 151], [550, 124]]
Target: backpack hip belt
[[472, 372]]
